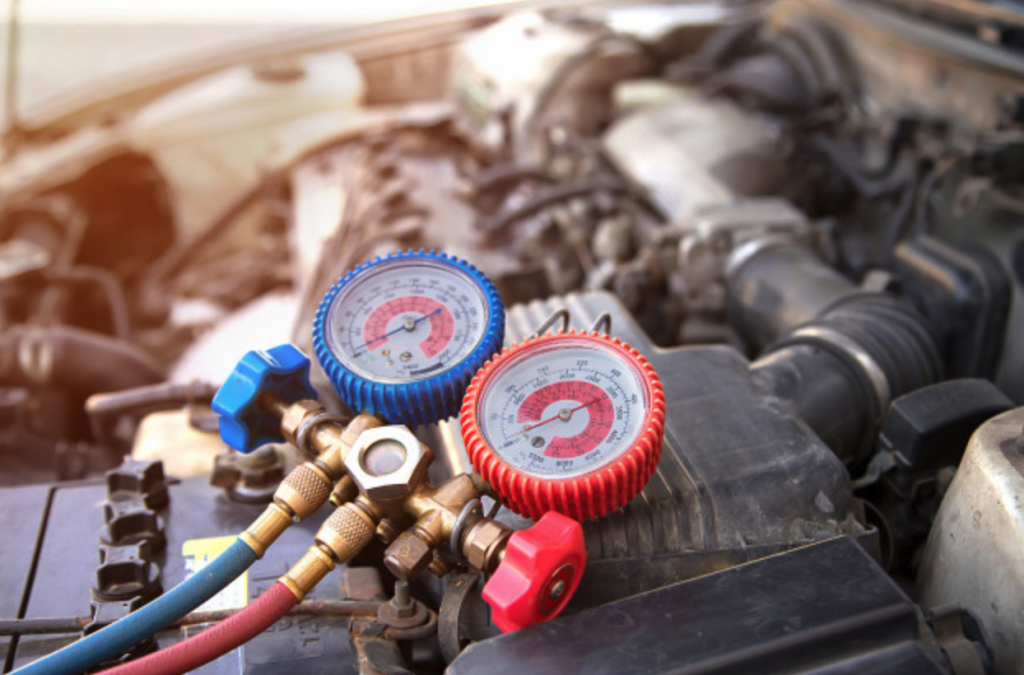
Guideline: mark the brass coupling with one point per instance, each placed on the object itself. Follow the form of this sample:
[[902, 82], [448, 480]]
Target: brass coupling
[[304, 575], [444, 514], [309, 485], [344, 534], [483, 543], [345, 491], [409, 554], [317, 433], [267, 528], [304, 490], [300, 494], [322, 436], [347, 531], [414, 551]]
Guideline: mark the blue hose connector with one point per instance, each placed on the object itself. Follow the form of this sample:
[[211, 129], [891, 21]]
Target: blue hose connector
[[433, 397]]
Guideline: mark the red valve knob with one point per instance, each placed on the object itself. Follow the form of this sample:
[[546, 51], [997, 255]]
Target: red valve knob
[[538, 575]]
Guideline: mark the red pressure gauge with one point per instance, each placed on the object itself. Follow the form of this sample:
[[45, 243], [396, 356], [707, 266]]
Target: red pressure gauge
[[570, 422]]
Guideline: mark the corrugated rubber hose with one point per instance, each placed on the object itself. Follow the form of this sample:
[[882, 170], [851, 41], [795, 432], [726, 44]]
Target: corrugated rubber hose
[[158, 614], [217, 640]]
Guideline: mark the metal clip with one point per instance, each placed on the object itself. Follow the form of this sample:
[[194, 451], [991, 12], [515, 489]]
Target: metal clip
[[562, 314]]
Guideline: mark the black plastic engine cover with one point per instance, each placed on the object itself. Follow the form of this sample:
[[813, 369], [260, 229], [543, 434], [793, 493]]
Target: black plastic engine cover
[[826, 608], [739, 477]]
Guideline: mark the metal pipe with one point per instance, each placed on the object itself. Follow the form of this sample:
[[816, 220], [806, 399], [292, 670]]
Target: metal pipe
[[74, 624], [106, 408]]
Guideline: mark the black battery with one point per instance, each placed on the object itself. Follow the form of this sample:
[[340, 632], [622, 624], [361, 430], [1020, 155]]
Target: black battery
[[51, 550]]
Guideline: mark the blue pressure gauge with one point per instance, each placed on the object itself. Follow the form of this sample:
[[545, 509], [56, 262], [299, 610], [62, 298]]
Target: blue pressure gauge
[[402, 336]]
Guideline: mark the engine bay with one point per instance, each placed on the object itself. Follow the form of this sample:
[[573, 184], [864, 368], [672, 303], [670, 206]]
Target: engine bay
[[683, 333]]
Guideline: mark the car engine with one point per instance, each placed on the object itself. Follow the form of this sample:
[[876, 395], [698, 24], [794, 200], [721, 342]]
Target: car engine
[[773, 251]]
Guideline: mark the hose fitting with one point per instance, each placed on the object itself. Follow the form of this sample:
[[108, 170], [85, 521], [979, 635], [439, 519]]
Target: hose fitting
[[267, 528], [301, 494], [308, 572], [342, 536]]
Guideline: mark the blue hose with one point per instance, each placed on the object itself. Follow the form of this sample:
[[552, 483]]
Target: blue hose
[[158, 614]]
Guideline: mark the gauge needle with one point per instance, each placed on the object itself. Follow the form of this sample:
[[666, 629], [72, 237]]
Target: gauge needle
[[408, 325], [561, 415]]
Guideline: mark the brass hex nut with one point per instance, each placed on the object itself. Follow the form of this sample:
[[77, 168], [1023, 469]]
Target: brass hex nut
[[295, 415], [408, 556], [483, 543], [387, 462]]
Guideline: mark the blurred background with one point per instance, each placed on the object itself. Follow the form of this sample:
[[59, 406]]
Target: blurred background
[[65, 48]]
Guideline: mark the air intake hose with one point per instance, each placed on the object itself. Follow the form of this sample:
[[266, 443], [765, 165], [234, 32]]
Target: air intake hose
[[849, 354]]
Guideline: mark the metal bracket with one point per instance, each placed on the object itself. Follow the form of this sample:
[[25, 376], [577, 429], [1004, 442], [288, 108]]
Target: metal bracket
[[559, 314], [603, 322]]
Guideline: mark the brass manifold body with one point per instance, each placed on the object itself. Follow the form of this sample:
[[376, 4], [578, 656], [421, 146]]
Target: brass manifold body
[[307, 487], [376, 477]]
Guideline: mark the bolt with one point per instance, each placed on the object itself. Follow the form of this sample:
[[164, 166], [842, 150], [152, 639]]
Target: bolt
[[402, 602], [405, 356], [565, 414], [410, 325], [402, 596], [556, 590], [538, 441]]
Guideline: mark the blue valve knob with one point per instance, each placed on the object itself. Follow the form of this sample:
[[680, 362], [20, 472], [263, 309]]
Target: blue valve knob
[[244, 424]]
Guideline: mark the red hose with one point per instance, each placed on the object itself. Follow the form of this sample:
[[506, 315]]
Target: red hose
[[217, 640]]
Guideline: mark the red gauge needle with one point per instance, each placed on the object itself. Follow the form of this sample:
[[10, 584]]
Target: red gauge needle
[[564, 414]]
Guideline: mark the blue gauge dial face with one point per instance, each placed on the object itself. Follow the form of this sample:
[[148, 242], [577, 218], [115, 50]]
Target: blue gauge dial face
[[406, 320]]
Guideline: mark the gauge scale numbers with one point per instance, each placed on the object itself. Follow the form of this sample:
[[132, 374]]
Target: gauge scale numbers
[[559, 412], [406, 321]]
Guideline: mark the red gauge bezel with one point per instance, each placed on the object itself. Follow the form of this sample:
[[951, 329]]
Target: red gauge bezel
[[590, 495]]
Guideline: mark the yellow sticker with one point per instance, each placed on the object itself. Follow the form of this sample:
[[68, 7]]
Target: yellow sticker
[[199, 553]]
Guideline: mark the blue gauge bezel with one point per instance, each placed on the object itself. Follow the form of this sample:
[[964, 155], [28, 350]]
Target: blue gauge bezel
[[424, 401]]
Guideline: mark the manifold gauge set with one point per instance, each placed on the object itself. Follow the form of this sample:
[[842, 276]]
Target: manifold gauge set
[[566, 422], [561, 428]]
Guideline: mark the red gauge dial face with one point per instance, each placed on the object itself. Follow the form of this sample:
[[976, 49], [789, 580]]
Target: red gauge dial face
[[406, 322], [563, 412], [561, 405]]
